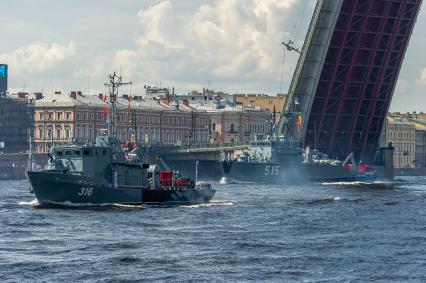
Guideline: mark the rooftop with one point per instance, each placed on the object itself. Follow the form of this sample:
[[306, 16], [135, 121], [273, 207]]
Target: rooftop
[[136, 102]]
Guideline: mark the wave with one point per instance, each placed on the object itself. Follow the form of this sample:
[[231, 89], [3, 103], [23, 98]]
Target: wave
[[68, 204], [324, 201], [377, 185], [346, 183], [210, 204], [33, 202]]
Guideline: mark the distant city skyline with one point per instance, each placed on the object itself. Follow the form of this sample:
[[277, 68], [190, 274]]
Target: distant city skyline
[[234, 46]]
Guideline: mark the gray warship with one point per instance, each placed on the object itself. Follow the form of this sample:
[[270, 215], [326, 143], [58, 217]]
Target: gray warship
[[105, 173], [281, 160]]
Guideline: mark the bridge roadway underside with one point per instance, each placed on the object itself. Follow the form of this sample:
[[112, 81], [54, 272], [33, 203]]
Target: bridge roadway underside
[[210, 153], [359, 75]]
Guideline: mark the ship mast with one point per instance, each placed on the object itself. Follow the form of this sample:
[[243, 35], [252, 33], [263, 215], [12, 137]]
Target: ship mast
[[114, 83]]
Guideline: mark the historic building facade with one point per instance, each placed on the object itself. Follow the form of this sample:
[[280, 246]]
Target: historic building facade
[[420, 160], [237, 125], [397, 126], [61, 119], [402, 134], [263, 101]]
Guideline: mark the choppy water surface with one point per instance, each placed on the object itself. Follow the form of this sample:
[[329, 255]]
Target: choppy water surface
[[338, 232]]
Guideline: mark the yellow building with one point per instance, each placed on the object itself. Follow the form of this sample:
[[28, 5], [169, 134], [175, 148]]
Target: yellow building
[[236, 125], [418, 121], [262, 101], [402, 134]]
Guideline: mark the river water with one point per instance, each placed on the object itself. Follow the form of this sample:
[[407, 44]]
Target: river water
[[332, 232]]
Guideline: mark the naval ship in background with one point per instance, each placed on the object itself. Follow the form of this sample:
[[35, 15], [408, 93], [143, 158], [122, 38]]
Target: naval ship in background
[[106, 173], [283, 161]]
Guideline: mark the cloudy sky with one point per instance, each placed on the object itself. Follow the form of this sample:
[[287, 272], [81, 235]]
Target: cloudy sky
[[229, 45]]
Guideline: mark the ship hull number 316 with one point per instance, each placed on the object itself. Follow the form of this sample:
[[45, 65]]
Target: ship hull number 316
[[86, 191]]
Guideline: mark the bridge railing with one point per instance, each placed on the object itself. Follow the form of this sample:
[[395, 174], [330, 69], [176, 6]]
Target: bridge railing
[[198, 146]]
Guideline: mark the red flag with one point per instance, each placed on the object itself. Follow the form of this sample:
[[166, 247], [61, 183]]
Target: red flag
[[299, 122], [105, 108], [105, 113]]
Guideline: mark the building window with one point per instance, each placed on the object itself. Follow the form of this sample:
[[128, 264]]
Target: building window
[[40, 133], [232, 129], [49, 116], [67, 134], [68, 116], [49, 134], [58, 134], [41, 115], [214, 127], [58, 116]]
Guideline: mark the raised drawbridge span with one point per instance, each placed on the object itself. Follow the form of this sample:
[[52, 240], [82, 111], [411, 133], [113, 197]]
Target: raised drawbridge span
[[346, 75]]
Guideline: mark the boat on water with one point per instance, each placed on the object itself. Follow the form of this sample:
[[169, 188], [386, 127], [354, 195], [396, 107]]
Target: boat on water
[[282, 161], [103, 174], [107, 173]]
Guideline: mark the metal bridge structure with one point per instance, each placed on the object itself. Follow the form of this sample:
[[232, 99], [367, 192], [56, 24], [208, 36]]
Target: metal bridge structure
[[346, 75]]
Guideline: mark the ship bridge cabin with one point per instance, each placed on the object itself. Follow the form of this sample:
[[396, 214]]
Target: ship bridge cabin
[[90, 160]]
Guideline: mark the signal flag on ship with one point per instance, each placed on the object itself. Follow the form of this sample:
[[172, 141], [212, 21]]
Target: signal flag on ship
[[299, 122], [105, 111]]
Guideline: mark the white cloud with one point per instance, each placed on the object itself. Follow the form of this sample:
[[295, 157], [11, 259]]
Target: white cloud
[[38, 57], [231, 42], [422, 78], [403, 86]]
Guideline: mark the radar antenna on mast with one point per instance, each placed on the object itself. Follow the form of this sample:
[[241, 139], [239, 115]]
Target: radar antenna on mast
[[114, 83]]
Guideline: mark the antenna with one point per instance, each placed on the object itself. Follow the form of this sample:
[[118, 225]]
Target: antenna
[[114, 83]]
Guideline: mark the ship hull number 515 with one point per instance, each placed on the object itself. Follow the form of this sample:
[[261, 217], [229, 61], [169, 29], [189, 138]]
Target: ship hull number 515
[[272, 170]]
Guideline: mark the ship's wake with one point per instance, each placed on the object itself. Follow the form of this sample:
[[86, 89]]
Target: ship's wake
[[33, 202], [231, 181], [70, 205], [367, 185], [211, 203], [346, 183], [323, 201]]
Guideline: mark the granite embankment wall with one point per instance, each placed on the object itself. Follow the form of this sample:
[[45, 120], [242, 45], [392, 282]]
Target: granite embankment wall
[[410, 171]]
